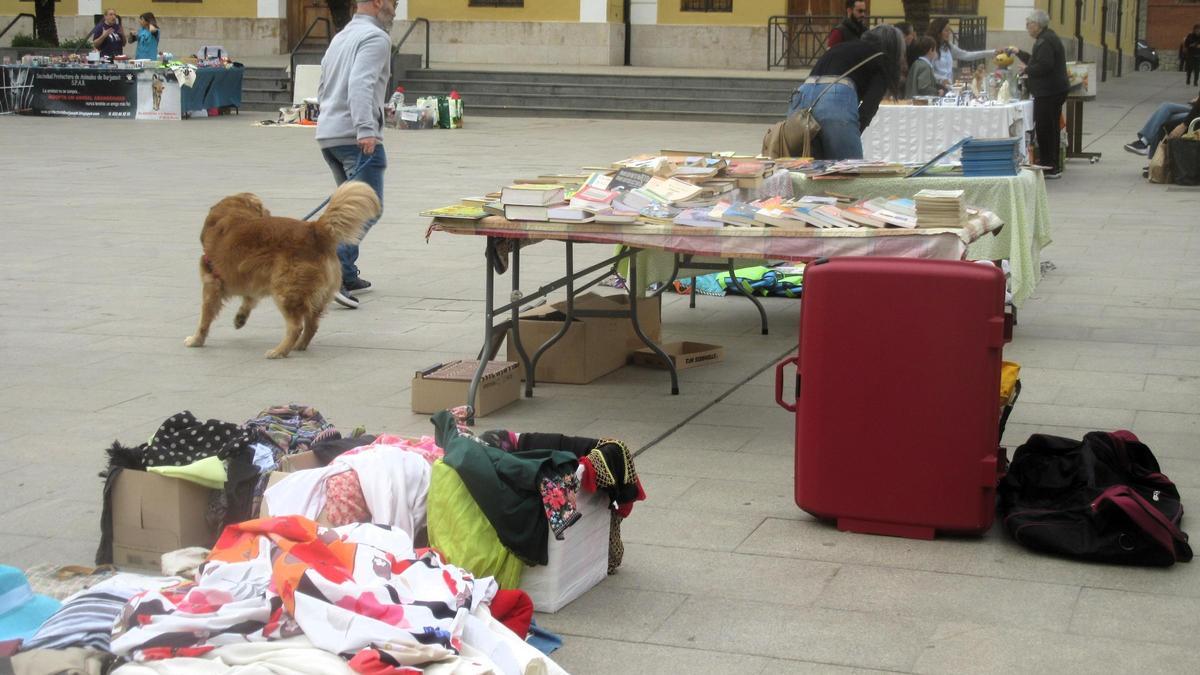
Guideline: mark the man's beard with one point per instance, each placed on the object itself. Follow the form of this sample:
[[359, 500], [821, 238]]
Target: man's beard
[[386, 18]]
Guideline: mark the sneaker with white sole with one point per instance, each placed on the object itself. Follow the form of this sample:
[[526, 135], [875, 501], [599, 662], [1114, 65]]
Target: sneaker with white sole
[[343, 298], [356, 285], [1138, 147]]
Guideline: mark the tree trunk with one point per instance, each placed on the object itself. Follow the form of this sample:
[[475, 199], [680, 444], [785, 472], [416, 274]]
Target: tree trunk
[[43, 22], [916, 12], [339, 12]]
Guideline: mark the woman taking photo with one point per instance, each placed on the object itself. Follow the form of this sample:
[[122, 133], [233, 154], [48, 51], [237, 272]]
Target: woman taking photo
[[845, 88], [146, 37], [948, 52]]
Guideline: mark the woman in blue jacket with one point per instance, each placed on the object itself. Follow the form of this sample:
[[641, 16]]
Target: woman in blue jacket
[[948, 52], [146, 37]]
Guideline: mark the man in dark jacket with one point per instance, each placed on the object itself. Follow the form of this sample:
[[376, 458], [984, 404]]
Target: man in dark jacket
[[852, 27], [1046, 79]]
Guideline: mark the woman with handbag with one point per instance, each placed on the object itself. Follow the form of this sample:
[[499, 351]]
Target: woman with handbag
[[843, 92]]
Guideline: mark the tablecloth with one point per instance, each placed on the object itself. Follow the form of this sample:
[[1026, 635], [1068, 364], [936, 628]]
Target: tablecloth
[[1019, 201], [214, 88], [911, 133]]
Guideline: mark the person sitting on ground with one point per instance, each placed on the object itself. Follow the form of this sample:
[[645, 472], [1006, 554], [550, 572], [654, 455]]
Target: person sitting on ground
[[107, 36], [146, 37], [948, 51], [1164, 119], [852, 27], [921, 81], [844, 104]]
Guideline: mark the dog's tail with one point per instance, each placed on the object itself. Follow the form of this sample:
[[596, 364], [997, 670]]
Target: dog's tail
[[350, 207]]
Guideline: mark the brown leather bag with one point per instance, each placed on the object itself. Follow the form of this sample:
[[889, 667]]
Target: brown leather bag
[[796, 133]]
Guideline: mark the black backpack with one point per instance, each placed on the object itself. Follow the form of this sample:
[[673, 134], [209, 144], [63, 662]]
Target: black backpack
[[1102, 499]]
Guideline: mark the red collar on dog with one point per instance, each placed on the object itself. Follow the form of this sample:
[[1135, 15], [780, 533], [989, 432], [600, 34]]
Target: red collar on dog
[[209, 266]]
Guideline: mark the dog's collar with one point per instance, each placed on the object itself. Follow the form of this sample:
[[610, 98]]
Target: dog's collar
[[209, 266]]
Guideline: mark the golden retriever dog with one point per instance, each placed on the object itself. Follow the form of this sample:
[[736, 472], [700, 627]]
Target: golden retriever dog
[[249, 252]]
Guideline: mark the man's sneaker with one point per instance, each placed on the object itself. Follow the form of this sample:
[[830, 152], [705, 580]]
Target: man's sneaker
[[356, 285], [1053, 175], [1138, 147], [343, 298]]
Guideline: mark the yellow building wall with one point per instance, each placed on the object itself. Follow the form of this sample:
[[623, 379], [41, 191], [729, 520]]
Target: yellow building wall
[[745, 13], [534, 10], [1091, 27], [246, 9], [15, 7]]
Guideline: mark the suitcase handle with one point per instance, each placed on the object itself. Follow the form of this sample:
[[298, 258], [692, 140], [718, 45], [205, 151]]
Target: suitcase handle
[[790, 407]]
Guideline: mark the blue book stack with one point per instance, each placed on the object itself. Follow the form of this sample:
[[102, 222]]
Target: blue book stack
[[990, 157]]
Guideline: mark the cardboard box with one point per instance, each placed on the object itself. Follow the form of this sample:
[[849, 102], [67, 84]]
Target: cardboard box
[[154, 514], [683, 354], [591, 347], [445, 386]]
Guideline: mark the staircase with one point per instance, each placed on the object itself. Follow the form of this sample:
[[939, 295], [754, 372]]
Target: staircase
[[542, 94], [648, 97], [267, 89]]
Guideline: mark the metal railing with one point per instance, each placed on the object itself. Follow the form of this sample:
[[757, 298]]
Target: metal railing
[[22, 15], [797, 41], [302, 40], [398, 45]]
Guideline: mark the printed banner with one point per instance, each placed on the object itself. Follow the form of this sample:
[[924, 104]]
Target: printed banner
[[158, 95], [79, 92]]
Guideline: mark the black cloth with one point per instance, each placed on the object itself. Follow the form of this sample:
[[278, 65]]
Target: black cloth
[[327, 451], [1047, 118], [870, 80], [576, 445], [1046, 67], [505, 485], [104, 552], [850, 30]]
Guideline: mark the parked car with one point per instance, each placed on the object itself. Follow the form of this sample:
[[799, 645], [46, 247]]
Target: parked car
[[1145, 57]]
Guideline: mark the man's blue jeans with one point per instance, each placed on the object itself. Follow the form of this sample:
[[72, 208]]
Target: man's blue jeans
[[342, 160], [837, 113], [1167, 113]]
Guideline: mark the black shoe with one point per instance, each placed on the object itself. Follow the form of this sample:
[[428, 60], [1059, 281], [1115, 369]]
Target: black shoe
[[1053, 175], [1137, 147], [356, 285], [1146, 172], [343, 298]]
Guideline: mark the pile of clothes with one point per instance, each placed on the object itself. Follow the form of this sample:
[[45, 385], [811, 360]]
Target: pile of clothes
[[391, 555]]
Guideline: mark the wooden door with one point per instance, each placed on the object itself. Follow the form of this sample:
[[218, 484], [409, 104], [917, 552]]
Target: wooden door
[[807, 32], [300, 15]]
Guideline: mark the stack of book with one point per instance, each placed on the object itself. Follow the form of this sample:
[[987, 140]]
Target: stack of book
[[990, 157], [940, 208]]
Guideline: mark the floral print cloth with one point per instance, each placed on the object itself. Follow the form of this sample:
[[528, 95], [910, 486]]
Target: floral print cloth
[[348, 589], [344, 501], [558, 498]]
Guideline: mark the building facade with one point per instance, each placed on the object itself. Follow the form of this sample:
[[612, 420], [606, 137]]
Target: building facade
[[713, 34]]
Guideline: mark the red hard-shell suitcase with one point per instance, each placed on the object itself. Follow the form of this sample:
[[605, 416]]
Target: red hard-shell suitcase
[[897, 394]]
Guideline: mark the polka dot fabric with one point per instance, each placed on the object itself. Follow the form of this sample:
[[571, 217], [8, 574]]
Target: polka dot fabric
[[183, 439]]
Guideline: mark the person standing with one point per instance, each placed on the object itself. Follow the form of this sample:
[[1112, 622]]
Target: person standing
[[354, 77], [1191, 55], [1046, 79], [107, 36], [146, 38], [852, 27], [845, 88], [948, 53], [921, 81]]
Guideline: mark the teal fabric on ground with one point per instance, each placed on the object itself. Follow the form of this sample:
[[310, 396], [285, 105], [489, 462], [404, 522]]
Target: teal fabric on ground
[[505, 485], [764, 281]]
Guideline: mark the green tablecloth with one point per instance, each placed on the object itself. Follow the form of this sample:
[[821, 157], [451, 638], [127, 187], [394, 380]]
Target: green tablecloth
[[1020, 201]]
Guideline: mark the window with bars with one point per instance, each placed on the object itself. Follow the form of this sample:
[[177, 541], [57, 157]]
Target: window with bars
[[707, 6], [496, 3]]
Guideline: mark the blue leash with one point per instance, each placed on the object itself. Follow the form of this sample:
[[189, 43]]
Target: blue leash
[[363, 161]]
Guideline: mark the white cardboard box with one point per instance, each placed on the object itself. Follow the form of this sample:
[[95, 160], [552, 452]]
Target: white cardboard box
[[576, 563]]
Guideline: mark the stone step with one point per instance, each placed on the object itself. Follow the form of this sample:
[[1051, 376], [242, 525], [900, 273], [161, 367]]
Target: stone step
[[657, 81], [626, 90], [618, 113], [684, 106]]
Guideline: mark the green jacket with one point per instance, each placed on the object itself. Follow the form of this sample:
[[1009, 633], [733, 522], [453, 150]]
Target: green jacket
[[921, 81]]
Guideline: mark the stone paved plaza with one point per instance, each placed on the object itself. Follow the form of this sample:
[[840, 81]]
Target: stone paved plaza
[[722, 572]]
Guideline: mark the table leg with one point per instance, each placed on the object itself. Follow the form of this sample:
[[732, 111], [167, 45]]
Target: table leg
[[488, 304], [749, 293], [515, 319], [537, 355], [637, 327]]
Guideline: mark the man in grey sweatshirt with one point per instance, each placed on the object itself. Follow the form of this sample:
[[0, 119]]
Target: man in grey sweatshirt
[[354, 78]]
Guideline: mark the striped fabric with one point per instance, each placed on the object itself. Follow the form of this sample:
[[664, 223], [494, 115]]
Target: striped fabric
[[85, 620]]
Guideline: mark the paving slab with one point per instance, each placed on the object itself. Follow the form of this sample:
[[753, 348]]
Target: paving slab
[[722, 572]]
